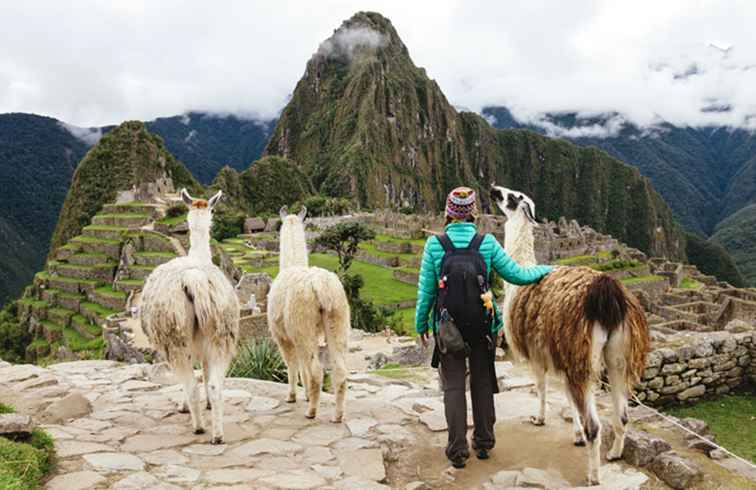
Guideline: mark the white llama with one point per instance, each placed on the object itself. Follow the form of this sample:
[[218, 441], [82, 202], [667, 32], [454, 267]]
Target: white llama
[[304, 304], [574, 322], [190, 313]]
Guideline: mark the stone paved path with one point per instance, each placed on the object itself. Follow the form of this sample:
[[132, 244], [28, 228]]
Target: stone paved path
[[134, 438]]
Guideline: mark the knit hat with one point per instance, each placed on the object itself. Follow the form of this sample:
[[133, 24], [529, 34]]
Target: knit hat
[[461, 204]]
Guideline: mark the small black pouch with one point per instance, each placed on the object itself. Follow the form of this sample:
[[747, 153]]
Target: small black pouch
[[450, 339]]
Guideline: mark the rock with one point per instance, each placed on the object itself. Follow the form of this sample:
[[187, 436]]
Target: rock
[[240, 475], [71, 447], [320, 435], [506, 478], [73, 406], [257, 284], [739, 326], [356, 335], [718, 454], [413, 355], [377, 361], [533, 477], [694, 392], [14, 423], [143, 443], [365, 464], [165, 456], [114, 461], [434, 420], [642, 448], [696, 425], [205, 449], [417, 485], [361, 426], [675, 471], [79, 480], [262, 404]]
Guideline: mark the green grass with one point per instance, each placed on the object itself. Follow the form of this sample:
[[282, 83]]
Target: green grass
[[406, 325], [91, 239], [24, 463], [371, 249], [132, 282], [732, 420], [393, 239], [6, 408], [172, 221], [615, 265], [50, 326], [380, 285], [629, 281], [155, 254], [123, 215], [690, 283], [109, 291], [78, 343], [81, 320], [100, 310], [394, 371]]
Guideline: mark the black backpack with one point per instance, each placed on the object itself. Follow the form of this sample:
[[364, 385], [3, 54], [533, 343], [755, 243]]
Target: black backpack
[[462, 280]]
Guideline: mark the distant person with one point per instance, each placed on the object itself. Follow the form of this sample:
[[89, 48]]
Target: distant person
[[454, 286]]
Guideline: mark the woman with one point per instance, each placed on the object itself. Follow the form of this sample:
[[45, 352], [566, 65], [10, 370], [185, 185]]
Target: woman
[[479, 336]]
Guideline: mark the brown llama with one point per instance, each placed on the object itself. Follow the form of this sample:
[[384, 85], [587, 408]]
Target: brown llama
[[574, 323]]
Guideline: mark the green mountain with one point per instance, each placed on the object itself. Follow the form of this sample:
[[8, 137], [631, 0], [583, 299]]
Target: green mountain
[[705, 174], [124, 157], [37, 157], [206, 142], [364, 122], [737, 234]]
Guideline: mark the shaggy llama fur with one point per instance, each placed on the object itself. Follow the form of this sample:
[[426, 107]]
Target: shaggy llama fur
[[574, 322], [305, 304], [190, 313]]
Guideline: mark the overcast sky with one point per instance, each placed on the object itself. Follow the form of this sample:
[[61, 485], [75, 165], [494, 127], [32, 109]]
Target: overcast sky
[[97, 62]]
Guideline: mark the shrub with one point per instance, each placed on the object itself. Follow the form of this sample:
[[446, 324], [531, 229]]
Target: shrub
[[259, 359], [344, 239], [227, 224], [176, 210], [23, 463], [366, 315], [14, 337]]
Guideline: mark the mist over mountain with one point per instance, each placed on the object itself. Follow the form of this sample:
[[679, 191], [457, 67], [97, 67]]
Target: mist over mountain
[[705, 174]]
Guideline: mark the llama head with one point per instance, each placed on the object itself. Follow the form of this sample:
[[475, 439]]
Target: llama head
[[513, 203], [293, 242], [200, 216], [292, 219]]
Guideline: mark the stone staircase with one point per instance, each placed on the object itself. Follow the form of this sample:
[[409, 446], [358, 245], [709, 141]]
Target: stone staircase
[[90, 278]]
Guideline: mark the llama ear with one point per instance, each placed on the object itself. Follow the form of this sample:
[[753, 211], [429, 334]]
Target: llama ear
[[529, 213], [283, 212], [188, 200], [302, 213], [214, 200]]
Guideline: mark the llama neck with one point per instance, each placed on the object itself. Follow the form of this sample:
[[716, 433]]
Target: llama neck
[[199, 246], [293, 250], [518, 240]]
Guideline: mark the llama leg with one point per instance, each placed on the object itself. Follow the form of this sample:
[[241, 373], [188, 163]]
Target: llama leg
[[577, 426], [314, 374], [540, 383], [185, 375], [289, 355], [593, 435], [206, 380], [217, 375], [337, 328], [615, 362]]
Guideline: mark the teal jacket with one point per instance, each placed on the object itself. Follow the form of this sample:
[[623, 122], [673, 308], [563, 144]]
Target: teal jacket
[[493, 254]]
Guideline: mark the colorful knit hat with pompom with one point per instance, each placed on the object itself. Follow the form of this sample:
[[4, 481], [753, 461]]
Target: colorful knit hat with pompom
[[461, 204]]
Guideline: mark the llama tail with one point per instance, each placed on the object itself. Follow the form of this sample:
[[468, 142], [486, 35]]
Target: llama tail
[[330, 292], [605, 302], [210, 310]]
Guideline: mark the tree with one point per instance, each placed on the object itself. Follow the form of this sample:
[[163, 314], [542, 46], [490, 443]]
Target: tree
[[344, 239]]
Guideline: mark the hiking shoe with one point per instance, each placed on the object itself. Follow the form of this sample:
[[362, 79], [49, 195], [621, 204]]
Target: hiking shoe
[[459, 463], [482, 454]]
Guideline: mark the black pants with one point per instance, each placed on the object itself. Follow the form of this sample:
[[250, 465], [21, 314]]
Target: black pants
[[483, 385]]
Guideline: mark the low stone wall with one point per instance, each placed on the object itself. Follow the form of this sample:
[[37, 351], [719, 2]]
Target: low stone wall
[[711, 364], [253, 327]]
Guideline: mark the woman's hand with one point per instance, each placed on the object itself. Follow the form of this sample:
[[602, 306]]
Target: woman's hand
[[424, 338]]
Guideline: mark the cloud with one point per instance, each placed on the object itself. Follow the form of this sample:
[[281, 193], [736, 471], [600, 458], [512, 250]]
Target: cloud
[[346, 40], [94, 63], [605, 128], [90, 136]]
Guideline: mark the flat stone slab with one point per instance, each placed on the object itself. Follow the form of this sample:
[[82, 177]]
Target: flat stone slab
[[365, 464], [70, 447], [361, 426], [321, 435], [262, 404], [165, 456], [205, 449], [177, 474], [266, 446], [143, 443], [236, 475], [80, 480], [294, 480], [114, 461]]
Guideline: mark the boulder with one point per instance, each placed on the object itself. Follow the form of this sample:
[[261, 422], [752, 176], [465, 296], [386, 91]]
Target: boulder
[[378, 360], [641, 448], [675, 471], [414, 354], [16, 424]]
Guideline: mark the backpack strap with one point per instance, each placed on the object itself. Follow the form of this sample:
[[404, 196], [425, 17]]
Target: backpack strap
[[475, 242], [445, 242]]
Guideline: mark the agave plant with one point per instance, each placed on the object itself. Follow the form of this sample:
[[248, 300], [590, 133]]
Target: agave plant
[[259, 359]]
